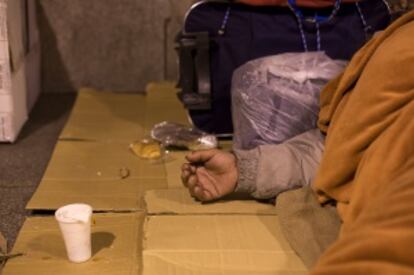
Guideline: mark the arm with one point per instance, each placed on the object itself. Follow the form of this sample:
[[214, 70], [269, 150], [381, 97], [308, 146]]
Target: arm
[[263, 172], [268, 170]]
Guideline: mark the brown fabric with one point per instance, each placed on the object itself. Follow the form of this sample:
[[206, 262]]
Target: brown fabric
[[360, 106], [368, 164], [308, 227]]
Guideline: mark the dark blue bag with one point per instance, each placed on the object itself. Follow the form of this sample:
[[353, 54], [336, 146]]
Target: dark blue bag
[[218, 37]]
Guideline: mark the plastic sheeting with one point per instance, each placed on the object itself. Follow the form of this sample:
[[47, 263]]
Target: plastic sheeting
[[277, 97]]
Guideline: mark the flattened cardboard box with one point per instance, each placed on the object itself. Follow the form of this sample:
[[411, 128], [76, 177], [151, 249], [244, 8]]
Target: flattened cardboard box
[[178, 201], [95, 161], [173, 164], [163, 105], [128, 116], [107, 176], [106, 117], [184, 236], [90, 160], [116, 247], [217, 244]]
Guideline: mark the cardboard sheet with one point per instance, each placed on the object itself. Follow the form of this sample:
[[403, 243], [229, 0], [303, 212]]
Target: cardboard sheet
[[95, 161], [173, 164], [106, 117], [92, 156], [116, 247], [106, 175], [211, 244], [103, 195], [98, 127], [163, 105], [179, 201], [89, 164]]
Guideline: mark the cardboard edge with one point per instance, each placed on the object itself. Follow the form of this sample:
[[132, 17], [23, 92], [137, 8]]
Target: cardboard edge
[[196, 209], [135, 231], [32, 206], [141, 217], [159, 253]]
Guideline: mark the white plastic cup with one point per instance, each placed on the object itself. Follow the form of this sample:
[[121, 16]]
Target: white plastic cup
[[75, 225]]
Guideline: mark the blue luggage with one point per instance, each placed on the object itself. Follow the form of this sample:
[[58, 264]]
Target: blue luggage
[[219, 36]]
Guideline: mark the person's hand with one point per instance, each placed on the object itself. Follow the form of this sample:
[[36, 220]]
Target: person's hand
[[210, 174]]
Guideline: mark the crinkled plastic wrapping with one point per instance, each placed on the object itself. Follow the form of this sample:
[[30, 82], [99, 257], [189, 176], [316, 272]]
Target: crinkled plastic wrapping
[[174, 134], [277, 97]]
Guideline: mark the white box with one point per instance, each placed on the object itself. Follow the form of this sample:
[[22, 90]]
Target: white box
[[19, 65]]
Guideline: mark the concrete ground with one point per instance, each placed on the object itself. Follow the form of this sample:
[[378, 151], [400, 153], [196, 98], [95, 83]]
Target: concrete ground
[[22, 164]]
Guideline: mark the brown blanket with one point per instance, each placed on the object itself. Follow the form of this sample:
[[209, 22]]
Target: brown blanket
[[368, 163]]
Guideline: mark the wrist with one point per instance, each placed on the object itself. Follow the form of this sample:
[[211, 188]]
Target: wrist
[[247, 165]]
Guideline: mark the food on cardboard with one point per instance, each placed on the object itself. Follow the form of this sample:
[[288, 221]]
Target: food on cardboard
[[147, 149]]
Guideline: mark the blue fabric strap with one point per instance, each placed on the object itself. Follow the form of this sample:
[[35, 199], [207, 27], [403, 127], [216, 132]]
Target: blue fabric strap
[[317, 18]]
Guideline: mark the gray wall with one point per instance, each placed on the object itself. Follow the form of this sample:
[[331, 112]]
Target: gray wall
[[117, 45]]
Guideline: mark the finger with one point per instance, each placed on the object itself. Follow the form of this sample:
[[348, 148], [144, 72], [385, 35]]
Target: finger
[[192, 181], [185, 173], [207, 196], [201, 156], [184, 177], [193, 191], [193, 168], [185, 166], [201, 194], [207, 182]]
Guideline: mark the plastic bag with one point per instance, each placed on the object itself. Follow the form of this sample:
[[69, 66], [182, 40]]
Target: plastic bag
[[174, 134], [277, 97]]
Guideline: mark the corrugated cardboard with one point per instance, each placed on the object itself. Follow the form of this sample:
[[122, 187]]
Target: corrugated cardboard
[[106, 175], [181, 236], [163, 105], [104, 195], [93, 151], [211, 244], [106, 117], [116, 247], [74, 160], [179, 201], [173, 163]]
